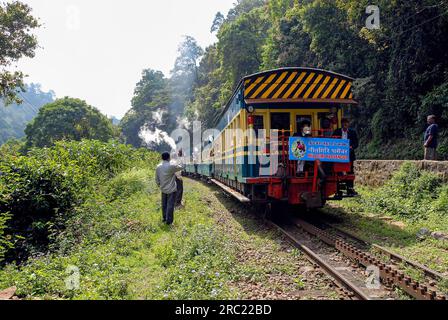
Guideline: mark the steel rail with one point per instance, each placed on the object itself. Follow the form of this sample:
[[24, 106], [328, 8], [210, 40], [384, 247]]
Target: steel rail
[[339, 278], [392, 255], [389, 274]]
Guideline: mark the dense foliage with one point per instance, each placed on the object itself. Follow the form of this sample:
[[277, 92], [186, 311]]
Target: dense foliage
[[401, 68], [411, 194], [94, 207], [68, 119], [159, 102], [39, 191], [16, 41], [15, 117]]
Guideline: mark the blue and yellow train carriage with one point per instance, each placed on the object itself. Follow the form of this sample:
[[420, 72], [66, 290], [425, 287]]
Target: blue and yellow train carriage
[[279, 100]]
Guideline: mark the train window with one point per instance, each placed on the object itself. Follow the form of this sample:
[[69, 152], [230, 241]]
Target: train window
[[325, 127], [280, 121], [258, 124]]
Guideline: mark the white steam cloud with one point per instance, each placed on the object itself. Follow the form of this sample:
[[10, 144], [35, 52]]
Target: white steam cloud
[[156, 137], [157, 116], [183, 123]]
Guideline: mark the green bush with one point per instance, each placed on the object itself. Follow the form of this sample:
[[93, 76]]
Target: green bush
[[41, 190], [440, 205], [411, 193], [5, 243], [37, 193], [130, 182], [96, 158]]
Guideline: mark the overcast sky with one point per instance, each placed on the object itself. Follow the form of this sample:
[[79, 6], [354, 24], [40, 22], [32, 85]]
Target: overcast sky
[[96, 49]]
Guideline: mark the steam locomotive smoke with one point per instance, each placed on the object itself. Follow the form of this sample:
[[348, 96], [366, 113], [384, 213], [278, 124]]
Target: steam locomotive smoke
[[152, 136], [156, 137]]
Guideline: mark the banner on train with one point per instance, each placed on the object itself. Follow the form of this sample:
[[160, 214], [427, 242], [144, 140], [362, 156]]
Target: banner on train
[[323, 149]]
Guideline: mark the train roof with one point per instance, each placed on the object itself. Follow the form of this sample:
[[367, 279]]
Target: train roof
[[295, 85]]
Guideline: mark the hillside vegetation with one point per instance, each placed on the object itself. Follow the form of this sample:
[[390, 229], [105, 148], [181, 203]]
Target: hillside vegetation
[[401, 68], [94, 206], [15, 117], [82, 220]]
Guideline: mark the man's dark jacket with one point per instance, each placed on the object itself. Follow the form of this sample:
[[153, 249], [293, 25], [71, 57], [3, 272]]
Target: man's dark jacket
[[353, 137]]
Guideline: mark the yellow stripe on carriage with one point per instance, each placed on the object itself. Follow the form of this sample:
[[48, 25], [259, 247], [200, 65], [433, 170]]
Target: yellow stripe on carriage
[[335, 94], [303, 86], [316, 82], [287, 83], [330, 87], [246, 92], [349, 86], [296, 83], [263, 85], [321, 87], [274, 85]]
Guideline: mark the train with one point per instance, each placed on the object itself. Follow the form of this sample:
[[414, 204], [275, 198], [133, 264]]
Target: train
[[280, 103]]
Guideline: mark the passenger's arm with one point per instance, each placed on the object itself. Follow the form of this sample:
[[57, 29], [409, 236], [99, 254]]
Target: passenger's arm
[[177, 167]]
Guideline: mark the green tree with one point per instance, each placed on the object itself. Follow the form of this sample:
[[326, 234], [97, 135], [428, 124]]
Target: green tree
[[15, 117], [240, 44], [243, 6], [217, 22], [16, 41], [149, 89], [151, 95], [158, 102], [184, 76], [288, 44], [67, 119]]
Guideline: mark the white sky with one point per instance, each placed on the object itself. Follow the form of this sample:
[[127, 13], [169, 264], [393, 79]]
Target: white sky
[[96, 49]]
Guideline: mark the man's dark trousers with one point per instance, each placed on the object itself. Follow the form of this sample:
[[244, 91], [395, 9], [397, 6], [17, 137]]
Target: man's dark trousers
[[180, 191], [168, 201]]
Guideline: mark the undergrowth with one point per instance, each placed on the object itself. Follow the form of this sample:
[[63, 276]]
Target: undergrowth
[[109, 233]]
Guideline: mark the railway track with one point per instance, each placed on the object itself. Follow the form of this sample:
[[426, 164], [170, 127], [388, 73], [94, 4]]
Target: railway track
[[356, 271], [394, 257], [347, 259]]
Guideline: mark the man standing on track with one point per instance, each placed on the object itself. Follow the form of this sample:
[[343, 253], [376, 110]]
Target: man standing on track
[[166, 181], [431, 136]]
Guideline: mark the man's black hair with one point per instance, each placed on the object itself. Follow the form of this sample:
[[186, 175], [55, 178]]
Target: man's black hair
[[304, 123], [166, 156]]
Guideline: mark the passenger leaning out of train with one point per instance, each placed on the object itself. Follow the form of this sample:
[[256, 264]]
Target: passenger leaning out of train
[[325, 130], [302, 166], [348, 133]]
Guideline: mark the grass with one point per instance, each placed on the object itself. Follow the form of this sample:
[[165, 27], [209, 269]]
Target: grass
[[116, 239], [123, 251], [392, 215]]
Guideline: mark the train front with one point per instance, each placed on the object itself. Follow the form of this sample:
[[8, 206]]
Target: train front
[[300, 153]]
